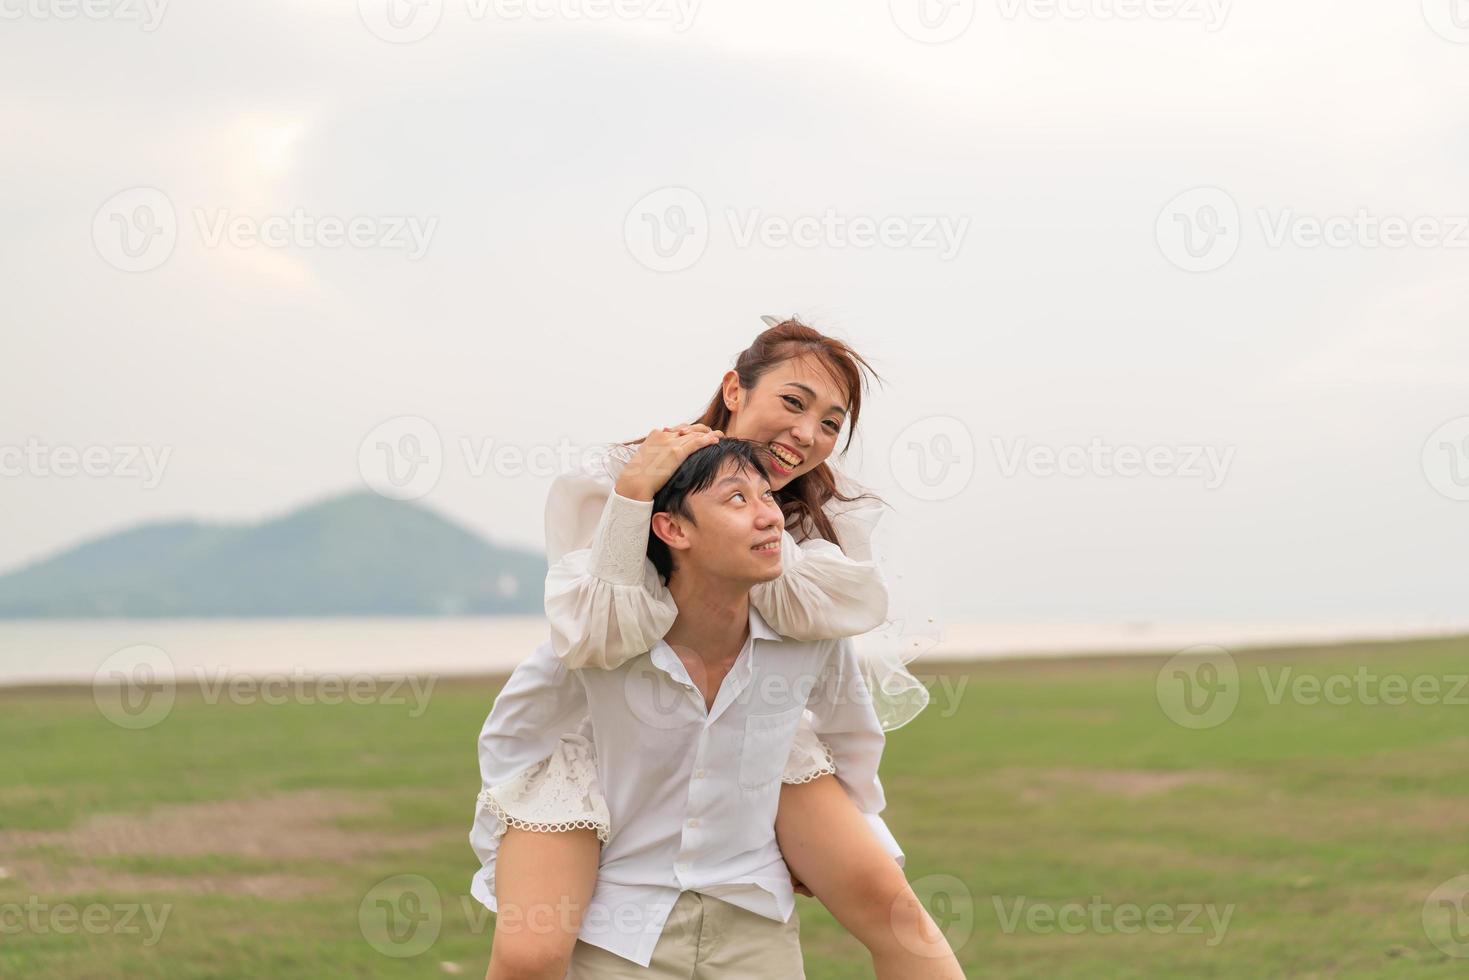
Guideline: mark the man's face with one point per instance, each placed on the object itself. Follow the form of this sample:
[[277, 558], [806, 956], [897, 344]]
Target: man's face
[[735, 533]]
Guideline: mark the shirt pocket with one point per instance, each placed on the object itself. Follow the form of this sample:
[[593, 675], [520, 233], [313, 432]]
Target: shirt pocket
[[766, 746]]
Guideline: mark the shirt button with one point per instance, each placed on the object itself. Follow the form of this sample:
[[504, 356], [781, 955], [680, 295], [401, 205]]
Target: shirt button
[[698, 774], [693, 821]]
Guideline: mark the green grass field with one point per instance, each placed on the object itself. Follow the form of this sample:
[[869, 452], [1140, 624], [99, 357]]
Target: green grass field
[[1044, 790]]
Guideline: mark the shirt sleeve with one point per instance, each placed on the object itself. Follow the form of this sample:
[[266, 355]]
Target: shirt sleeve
[[843, 718], [604, 599], [825, 592], [540, 702]]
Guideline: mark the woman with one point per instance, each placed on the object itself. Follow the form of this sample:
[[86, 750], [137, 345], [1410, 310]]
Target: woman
[[792, 390]]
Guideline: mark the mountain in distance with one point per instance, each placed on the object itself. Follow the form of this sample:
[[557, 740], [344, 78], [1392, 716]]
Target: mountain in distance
[[357, 554]]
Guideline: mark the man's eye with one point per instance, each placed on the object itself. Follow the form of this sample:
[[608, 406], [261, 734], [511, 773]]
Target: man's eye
[[738, 496]]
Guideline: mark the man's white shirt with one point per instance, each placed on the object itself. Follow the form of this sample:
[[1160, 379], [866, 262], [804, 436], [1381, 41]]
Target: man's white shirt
[[692, 793]]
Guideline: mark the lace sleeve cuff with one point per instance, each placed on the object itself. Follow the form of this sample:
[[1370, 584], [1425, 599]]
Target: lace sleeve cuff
[[620, 545]]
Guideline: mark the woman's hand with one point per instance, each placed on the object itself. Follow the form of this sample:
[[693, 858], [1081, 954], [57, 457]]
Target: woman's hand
[[659, 457]]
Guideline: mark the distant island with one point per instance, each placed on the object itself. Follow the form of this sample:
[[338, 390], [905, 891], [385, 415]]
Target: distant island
[[358, 554]]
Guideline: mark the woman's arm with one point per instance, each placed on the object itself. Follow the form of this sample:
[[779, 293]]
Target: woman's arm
[[606, 603], [825, 592], [604, 600]]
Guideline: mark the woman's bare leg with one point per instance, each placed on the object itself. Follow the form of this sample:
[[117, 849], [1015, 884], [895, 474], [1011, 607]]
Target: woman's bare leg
[[543, 882], [830, 848]]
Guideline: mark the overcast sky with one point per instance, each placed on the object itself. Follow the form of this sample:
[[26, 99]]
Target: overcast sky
[[1095, 236]]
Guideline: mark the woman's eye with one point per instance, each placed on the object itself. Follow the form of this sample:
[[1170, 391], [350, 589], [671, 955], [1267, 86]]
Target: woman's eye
[[793, 401], [833, 426]]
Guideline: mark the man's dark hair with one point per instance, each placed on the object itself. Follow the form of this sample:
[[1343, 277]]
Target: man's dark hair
[[695, 475]]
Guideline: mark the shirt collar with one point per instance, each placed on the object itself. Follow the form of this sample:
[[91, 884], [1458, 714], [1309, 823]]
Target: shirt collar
[[664, 658], [759, 628]]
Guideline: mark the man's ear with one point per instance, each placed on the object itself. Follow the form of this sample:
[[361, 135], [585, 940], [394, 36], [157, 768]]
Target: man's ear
[[670, 530]]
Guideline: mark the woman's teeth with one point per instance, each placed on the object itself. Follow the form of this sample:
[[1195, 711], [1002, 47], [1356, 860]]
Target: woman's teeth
[[771, 546], [785, 458]]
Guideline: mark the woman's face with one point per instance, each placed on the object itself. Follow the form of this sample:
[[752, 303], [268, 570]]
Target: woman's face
[[796, 409]]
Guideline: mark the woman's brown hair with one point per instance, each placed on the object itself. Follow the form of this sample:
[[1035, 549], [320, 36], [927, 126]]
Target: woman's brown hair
[[803, 499]]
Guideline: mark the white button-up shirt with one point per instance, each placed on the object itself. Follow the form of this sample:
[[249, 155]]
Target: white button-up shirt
[[691, 792]]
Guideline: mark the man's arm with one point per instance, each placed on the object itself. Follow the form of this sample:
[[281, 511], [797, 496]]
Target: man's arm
[[841, 707]]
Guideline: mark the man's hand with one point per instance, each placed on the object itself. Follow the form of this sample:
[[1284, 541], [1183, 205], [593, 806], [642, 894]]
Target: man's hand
[[659, 457]]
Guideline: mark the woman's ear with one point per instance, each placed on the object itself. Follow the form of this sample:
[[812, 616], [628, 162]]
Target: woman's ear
[[670, 531], [730, 387]]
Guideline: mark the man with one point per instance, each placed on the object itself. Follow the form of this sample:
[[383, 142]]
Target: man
[[691, 740]]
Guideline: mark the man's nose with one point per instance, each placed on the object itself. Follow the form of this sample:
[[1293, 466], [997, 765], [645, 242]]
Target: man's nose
[[770, 515]]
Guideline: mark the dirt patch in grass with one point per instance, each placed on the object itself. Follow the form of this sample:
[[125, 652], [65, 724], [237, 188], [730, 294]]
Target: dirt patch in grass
[[282, 827], [39, 876], [1038, 785]]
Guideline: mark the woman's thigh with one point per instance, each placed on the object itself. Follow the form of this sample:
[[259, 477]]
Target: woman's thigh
[[832, 850]]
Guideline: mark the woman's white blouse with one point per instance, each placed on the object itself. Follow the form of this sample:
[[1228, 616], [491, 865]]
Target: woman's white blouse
[[606, 602]]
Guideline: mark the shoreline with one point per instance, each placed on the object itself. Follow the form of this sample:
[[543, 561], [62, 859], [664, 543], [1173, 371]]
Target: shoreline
[[923, 667]]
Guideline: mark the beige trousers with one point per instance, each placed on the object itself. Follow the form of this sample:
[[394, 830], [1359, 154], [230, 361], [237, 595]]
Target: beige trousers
[[705, 939]]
